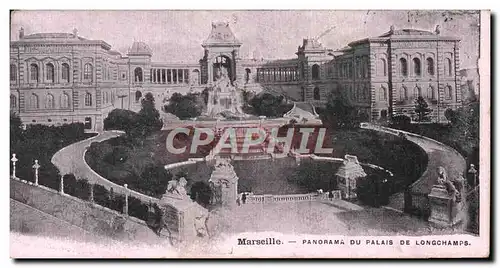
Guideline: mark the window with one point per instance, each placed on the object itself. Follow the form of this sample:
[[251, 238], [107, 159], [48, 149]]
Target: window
[[88, 72], [34, 72], [49, 104], [65, 72], [417, 92], [417, 68], [431, 93], [403, 65], [430, 66], [383, 114], [383, 94], [449, 92], [382, 67], [49, 72], [447, 67], [64, 100], [34, 104], [403, 95], [247, 75], [138, 96], [13, 72], [315, 71], [13, 101], [88, 99], [317, 95]]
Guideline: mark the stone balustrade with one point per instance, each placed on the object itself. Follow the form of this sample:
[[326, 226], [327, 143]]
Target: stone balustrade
[[291, 198]]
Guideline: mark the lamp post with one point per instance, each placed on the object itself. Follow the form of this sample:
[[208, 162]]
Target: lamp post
[[473, 173], [36, 166], [14, 160]]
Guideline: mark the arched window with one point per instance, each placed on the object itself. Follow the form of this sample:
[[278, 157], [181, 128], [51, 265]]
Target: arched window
[[138, 74], [317, 95], [64, 100], [247, 75], [49, 72], [13, 72], [447, 67], [430, 93], [88, 72], [382, 67], [417, 92], [315, 71], [138, 96], [65, 72], [13, 101], [449, 92], [34, 104], [303, 93], [430, 66], [403, 94], [403, 65], [417, 67], [383, 94], [34, 72], [49, 102], [364, 61], [88, 99]]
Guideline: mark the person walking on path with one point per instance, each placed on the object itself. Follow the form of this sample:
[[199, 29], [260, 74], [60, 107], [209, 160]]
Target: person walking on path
[[330, 195], [244, 198]]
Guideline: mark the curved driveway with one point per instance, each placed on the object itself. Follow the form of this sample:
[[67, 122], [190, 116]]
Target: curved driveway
[[71, 159], [438, 153]]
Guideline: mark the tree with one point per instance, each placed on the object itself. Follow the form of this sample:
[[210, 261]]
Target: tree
[[201, 193], [185, 106], [120, 119], [16, 130], [149, 117], [422, 109], [339, 112], [269, 105]]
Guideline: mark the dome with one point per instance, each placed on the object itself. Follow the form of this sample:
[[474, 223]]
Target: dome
[[140, 48]]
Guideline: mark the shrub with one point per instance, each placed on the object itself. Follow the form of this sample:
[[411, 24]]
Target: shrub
[[101, 195], [201, 193], [137, 209], [70, 185], [185, 106], [82, 190], [401, 120]]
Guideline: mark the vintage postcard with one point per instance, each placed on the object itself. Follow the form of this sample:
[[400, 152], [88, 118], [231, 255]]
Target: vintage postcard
[[250, 134]]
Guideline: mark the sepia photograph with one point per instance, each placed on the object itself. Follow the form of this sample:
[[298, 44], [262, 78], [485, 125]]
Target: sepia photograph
[[249, 134]]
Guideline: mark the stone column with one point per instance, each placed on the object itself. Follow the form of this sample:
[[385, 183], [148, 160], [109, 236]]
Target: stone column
[[36, 166], [14, 160]]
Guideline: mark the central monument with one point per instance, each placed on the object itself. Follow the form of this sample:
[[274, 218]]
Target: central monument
[[221, 62]]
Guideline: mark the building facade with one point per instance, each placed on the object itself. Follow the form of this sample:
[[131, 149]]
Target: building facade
[[58, 78]]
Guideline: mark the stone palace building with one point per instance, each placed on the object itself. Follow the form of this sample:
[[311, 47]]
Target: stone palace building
[[58, 78]]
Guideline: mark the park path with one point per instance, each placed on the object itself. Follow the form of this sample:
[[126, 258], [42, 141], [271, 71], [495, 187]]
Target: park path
[[71, 159], [438, 154]]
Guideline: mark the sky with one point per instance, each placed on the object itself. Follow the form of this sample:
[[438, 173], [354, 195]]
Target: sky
[[176, 36]]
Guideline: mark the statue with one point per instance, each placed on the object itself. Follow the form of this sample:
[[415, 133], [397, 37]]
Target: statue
[[444, 183], [177, 189]]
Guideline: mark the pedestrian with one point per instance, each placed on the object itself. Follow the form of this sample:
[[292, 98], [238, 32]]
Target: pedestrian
[[330, 195], [238, 201], [244, 198]]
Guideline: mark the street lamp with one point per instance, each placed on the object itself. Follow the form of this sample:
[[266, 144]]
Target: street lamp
[[473, 173], [14, 160]]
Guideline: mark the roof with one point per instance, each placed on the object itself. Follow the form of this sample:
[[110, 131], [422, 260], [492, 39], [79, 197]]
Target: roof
[[53, 36], [140, 48], [59, 38], [406, 34], [221, 34], [351, 168]]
